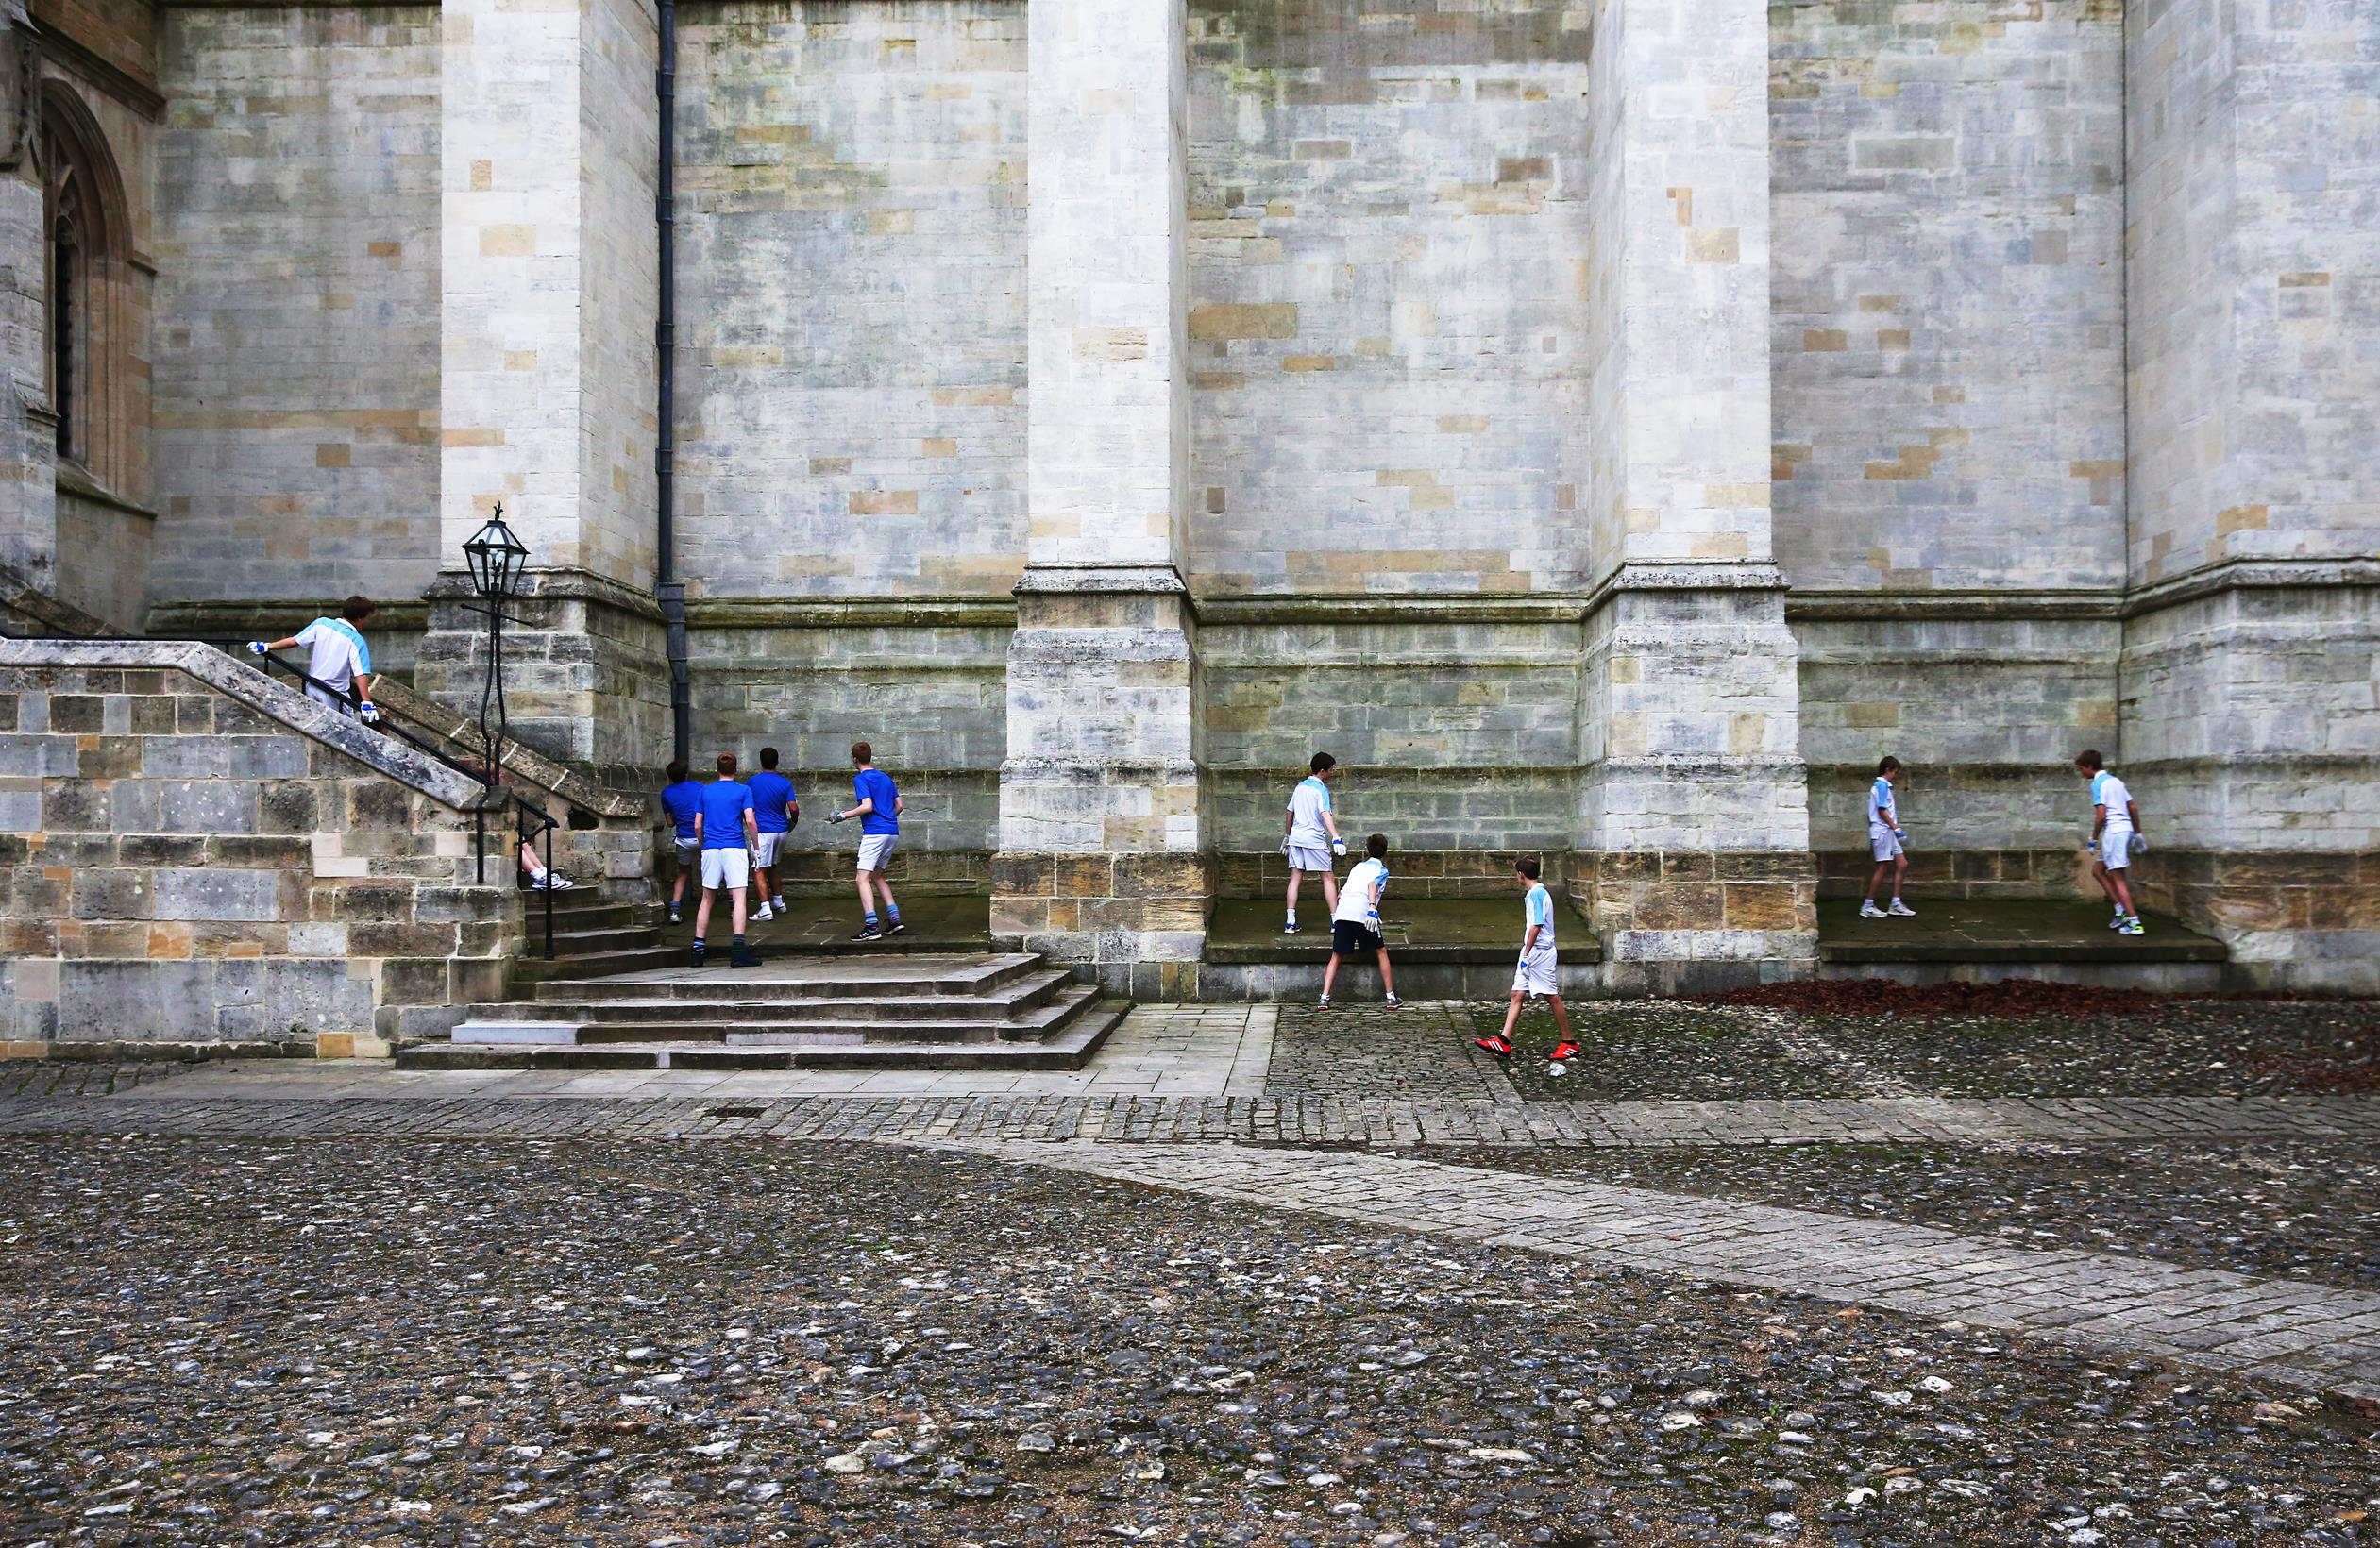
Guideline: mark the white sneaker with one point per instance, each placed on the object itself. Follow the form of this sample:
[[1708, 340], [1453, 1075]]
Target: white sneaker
[[1869, 911], [1901, 911], [763, 913], [2117, 922], [553, 882]]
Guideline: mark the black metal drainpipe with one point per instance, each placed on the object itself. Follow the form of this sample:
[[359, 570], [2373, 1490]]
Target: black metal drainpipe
[[668, 589]]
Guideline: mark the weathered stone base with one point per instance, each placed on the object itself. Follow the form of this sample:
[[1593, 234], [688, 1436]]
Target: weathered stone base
[[1970, 873], [585, 670], [2153, 977], [1416, 873], [1359, 981], [1133, 923], [2292, 921], [1682, 921]]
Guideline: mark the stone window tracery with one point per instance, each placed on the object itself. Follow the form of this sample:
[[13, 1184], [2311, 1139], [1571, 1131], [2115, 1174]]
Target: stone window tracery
[[84, 225]]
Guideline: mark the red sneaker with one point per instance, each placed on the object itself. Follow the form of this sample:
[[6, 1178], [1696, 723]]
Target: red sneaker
[[1493, 1045], [1565, 1050]]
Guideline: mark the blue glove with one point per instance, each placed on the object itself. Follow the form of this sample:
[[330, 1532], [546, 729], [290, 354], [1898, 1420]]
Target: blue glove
[[1338, 846], [2094, 845], [1901, 833], [256, 648], [369, 714]]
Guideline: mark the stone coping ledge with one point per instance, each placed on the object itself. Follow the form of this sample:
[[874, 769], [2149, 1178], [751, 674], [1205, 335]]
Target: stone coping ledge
[[246, 685]]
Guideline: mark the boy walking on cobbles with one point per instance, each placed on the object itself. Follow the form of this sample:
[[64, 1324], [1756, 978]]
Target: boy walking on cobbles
[[1354, 920], [725, 826], [1310, 835], [1884, 836], [1539, 971], [775, 810], [683, 799], [879, 813], [2115, 839]]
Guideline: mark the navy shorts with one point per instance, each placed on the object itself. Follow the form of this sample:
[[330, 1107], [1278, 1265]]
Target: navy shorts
[[1349, 938]]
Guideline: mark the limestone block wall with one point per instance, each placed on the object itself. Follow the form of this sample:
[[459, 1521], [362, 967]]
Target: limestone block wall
[[1387, 224], [2255, 284], [1452, 725], [852, 231], [297, 337], [926, 688], [1947, 295], [192, 855]]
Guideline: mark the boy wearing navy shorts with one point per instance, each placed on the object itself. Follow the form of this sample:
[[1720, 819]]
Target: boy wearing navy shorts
[[1354, 921]]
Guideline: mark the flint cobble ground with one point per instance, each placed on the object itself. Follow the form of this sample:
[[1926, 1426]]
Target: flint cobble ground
[[210, 1341], [2307, 1210]]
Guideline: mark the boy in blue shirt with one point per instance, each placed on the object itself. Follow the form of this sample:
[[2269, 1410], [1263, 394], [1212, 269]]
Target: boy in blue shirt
[[1309, 835], [1537, 973], [1885, 837], [775, 810], [724, 824], [879, 813], [683, 799]]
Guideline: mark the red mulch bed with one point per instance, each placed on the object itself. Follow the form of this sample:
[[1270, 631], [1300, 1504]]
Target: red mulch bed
[[2011, 998]]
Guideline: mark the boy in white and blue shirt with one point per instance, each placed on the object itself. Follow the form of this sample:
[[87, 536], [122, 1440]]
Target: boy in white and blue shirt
[[1309, 835], [338, 660], [1355, 919], [1539, 971], [2115, 839], [1884, 836]]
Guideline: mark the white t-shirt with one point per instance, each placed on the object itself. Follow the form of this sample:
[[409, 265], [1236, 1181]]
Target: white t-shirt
[[339, 652], [1355, 897], [1537, 908], [1880, 810], [1308, 803], [2112, 793]]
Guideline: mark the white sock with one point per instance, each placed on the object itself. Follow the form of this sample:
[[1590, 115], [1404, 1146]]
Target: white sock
[[1895, 896]]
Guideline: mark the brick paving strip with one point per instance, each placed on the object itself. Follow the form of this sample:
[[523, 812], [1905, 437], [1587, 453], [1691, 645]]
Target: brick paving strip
[[723, 1110], [2293, 1333]]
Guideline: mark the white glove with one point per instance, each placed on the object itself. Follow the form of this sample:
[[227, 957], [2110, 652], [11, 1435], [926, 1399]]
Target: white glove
[[2094, 845], [1338, 846], [1901, 833], [369, 714], [835, 816], [256, 648]]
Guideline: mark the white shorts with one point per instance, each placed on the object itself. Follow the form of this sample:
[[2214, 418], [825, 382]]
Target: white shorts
[[2114, 849], [1882, 842], [727, 868], [689, 855], [766, 855], [1536, 974], [1302, 858], [875, 850]]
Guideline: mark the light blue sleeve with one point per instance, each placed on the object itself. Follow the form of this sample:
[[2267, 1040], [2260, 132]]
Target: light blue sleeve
[[1325, 793], [1541, 907]]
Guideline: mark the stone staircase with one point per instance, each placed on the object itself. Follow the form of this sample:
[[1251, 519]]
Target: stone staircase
[[593, 937], [913, 1011]]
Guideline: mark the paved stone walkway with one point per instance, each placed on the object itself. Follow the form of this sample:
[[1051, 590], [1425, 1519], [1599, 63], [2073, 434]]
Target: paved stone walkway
[[2299, 1333], [266, 1102]]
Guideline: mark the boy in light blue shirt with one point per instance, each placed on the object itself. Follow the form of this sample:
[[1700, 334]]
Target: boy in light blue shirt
[[1539, 971], [1884, 836], [1309, 835]]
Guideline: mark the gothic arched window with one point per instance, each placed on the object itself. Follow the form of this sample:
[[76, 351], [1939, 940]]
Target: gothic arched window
[[84, 218]]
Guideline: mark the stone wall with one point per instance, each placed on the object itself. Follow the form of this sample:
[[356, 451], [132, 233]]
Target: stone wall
[[1387, 220], [851, 252], [297, 349], [194, 858]]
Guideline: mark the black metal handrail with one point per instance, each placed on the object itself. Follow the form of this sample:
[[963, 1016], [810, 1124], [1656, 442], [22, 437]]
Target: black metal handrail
[[483, 773], [489, 776]]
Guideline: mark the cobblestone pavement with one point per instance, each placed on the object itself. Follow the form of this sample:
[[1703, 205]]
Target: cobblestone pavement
[[2306, 1209], [78, 1078], [2299, 1334], [616, 1342]]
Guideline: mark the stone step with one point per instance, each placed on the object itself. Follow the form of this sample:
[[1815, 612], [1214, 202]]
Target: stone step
[[535, 970], [1036, 1021], [597, 912], [1065, 1049], [798, 978], [1006, 997], [596, 942]]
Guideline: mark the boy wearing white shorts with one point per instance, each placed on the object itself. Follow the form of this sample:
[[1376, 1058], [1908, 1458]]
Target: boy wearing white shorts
[[879, 813], [1310, 835], [1884, 836], [775, 810], [2115, 838], [683, 799], [724, 827], [1539, 972]]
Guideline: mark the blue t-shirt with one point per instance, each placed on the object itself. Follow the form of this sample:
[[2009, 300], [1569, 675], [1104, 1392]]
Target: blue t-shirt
[[876, 785], [772, 794], [724, 803], [683, 799]]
